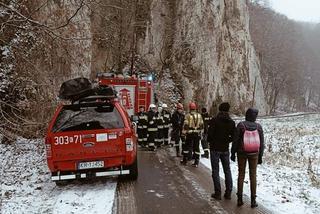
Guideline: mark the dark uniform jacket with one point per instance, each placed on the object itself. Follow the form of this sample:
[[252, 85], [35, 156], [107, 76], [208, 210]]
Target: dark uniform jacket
[[152, 121], [143, 120], [177, 120], [221, 132], [206, 120], [166, 119]]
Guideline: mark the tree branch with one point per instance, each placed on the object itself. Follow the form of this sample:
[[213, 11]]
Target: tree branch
[[71, 17]]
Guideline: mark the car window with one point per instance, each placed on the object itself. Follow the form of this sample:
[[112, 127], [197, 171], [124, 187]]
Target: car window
[[88, 118]]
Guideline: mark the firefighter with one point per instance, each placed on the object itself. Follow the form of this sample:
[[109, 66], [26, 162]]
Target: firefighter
[[152, 126], [192, 128], [166, 123], [204, 143], [177, 121], [142, 127], [160, 123]]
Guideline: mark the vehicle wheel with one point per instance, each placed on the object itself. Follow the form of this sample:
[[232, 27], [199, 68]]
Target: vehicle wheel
[[133, 170]]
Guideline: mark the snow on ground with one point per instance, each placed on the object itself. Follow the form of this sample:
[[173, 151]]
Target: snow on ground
[[289, 178], [26, 186]]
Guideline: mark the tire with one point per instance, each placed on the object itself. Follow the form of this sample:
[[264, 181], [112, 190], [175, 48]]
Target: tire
[[61, 183], [133, 171]]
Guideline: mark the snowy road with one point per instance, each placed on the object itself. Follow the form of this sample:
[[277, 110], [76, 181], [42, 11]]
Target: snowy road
[[164, 186], [288, 180]]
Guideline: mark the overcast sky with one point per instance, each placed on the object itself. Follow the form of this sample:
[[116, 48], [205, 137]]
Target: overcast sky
[[301, 10]]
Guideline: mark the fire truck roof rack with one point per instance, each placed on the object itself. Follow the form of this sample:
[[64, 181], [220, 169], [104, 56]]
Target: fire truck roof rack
[[142, 76]]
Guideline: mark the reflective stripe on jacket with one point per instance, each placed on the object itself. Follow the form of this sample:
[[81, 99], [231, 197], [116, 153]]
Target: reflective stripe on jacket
[[193, 123]]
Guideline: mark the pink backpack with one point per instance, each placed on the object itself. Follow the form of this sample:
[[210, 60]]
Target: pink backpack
[[251, 140]]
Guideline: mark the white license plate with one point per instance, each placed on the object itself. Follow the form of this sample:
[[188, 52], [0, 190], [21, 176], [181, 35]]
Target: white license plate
[[91, 165]]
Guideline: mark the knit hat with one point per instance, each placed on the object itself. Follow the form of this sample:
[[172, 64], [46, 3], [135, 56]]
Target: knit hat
[[224, 107]]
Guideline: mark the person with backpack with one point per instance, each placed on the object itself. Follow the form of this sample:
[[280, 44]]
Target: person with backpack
[[249, 146], [221, 132]]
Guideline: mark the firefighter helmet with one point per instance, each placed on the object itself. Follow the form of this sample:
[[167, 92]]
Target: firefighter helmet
[[179, 106], [192, 106], [152, 106]]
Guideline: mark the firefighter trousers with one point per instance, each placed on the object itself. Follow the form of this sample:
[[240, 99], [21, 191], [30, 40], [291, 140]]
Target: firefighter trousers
[[142, 136], [166, 136], [175, 140], [191, 145], [159, 138], [152, 136]]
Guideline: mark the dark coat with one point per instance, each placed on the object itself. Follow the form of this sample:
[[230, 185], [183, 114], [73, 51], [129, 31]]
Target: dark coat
[[221, 132], [250, 125], [166, 118], [206, 119], [177, 120], [152, 119], [143, 119]]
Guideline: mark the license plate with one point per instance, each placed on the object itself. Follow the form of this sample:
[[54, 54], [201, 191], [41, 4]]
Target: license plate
[[91, 165]]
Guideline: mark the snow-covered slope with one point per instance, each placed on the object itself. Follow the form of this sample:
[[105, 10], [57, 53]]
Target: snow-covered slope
[[289, 178], [26, 186]]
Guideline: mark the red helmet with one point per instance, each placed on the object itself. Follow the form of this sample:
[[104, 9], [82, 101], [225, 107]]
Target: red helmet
[[192, 106], [179, 106]]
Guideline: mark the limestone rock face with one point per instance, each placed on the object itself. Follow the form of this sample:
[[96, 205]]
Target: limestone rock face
[[203, 45], [207, 47]]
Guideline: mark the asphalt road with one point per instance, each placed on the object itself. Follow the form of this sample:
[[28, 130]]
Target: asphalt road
[[165, 186]]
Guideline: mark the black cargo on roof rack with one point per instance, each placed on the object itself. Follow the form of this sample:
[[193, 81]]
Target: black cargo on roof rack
[[80, 88], [75, 88]]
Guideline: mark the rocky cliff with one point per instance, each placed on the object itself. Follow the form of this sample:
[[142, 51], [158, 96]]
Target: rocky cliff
[[207, 48], [200, 50]]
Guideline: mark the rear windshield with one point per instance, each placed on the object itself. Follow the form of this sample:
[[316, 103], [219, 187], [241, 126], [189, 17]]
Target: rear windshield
[[88, 118]]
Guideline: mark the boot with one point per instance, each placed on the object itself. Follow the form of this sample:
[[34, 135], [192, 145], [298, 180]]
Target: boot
[[184, 161], [178, 152], [227, 195], [205, 155], [253, 202], [216, 196], [240, 200], [196, 163]]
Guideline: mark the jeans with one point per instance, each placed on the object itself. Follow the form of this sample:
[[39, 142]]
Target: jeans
[[215, 156]]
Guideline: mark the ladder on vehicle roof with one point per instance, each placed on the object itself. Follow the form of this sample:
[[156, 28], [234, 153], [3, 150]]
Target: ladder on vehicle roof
[[142, 95]]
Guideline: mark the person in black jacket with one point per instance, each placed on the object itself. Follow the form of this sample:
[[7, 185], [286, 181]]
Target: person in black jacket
[[142, 127], [221, 132], [152, 127], [177, 120], [204, 143], [252, 157], [166, 123]]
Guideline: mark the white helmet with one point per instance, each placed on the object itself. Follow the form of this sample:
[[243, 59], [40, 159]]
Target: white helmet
[[152, 106], [164, 105]]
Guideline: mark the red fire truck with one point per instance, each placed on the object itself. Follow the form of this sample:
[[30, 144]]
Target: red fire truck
[[132, 92]]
